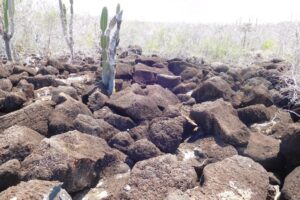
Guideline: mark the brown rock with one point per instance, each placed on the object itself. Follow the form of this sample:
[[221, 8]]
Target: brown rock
[[264, 150], [73, 158], [62, 118], [168, 81], [9, 174], [219, 118], [34, 116], [5, 85], [36, 190], [152, 179], [254, 114], [213, 89], [142, 149], [236, 177], [289, 146], [95, 127], [142, 104], [290, 190], [17, 142], [166, 133]]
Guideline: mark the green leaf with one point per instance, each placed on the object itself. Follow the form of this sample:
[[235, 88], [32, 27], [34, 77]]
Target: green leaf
[[104, 19]]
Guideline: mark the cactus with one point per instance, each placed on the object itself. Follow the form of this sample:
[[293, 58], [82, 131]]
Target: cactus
[[109, 43], [68, 35], [7, 27]]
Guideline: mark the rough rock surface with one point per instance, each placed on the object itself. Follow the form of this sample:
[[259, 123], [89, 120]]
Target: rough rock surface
[[62, 118], [9, 174], [166, 133], [142, 104], [289, 146], [17, 142], [34, 116], [6, 85], [236, 177], [264, 150], [258, 113], [95, 127], [202, 151], [290, 190], [219, 118], [152, 179], [213, 89], [73, 158], [142, 149], [11, 101], [36, 190]]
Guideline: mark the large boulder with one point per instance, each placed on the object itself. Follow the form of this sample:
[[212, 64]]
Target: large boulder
[[177, 66], [142, 104], [168, 81], [73, 158], [254, 114], [290, 189], [34, 116], [20, 69], [152, 179], [17, 142], [95, 127], [5, 84], [124, 71], [147, 75], [264, 150], [9, 174], [213, 89], [150, 60], [259, 94], [62, 118], [40, 81], [289, 146], [113, 181], [121, 141], [48, 70], [5, 71], [120, 122], [35, 190], [236, 177], [142, 149], [198, 152], [96, 100], [11, 101], [221, 119], [166, 133]]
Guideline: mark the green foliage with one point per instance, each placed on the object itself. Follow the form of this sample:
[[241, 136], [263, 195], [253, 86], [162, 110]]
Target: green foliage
[[268, 44]]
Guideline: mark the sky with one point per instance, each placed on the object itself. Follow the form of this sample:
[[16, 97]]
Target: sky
[[197, 11]]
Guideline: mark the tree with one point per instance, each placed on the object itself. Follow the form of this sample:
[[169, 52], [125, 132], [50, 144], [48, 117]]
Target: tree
[[7, 25], [68, 34]]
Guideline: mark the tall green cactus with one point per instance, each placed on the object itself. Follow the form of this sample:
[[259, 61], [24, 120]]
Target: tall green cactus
[[109, 43], [68, 35], [7, 28]]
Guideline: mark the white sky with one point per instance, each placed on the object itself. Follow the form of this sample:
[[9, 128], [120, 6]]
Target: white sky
[[197, 11]]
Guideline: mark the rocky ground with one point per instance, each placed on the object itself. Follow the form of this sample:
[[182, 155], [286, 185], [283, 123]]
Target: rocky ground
[[174, 130]]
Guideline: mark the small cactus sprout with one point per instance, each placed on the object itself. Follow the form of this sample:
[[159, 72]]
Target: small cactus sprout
[[109, 43]]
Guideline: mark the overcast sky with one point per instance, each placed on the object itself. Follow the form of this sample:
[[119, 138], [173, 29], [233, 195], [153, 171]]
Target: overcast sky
[[198, 11]]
